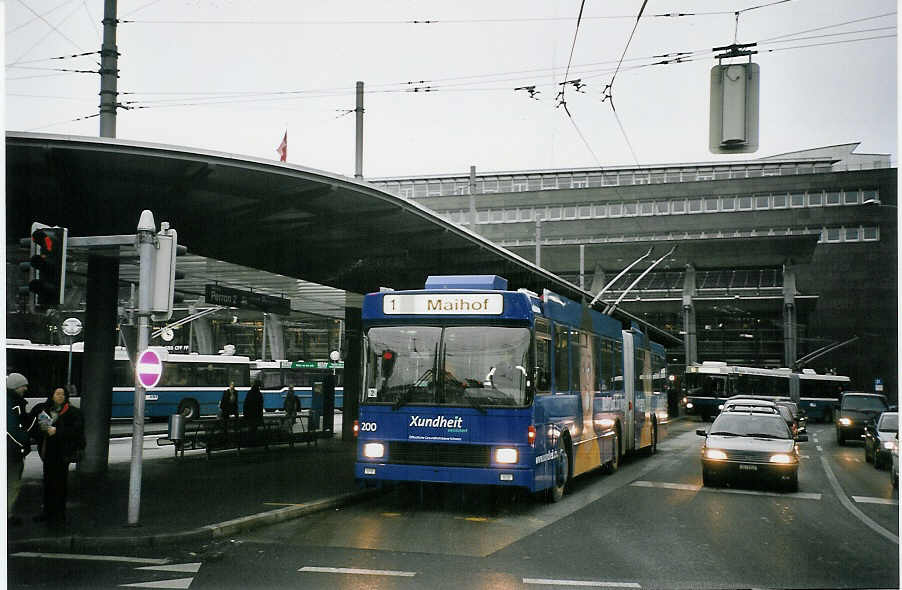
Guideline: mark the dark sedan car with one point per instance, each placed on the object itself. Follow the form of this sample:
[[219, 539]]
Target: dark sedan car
[[880, 438], [856, 410], [750, 446]]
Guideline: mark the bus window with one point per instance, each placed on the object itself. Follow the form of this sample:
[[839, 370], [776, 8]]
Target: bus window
[[561, 360], [577, 354], [618, 366], [176, 374], [543, 364], [239, 374], [606, 375]]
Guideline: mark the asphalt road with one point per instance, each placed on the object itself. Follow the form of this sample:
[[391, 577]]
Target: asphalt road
[[649, 525]]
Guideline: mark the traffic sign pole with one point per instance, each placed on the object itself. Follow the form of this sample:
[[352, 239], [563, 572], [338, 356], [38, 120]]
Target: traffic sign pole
[[146, 232]]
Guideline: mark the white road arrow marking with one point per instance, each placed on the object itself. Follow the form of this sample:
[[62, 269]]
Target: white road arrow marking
[[186, 568], [180, 583]]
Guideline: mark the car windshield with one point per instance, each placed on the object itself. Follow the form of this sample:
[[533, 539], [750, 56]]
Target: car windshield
[[772, 426], [478, 366], [889, 422], [863, 402]]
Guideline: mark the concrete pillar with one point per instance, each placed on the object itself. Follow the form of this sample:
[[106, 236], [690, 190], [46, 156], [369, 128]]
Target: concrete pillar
[[101, 300], [353, 372], [690, 338], [599, 279], [790, 323], [275, 336], [202, 334]]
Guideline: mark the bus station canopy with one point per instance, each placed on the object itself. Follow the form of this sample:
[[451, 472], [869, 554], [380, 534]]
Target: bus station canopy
[[262, 216]]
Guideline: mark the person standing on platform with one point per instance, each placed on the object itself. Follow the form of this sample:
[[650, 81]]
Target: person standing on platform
[[253, 409], [228, 405], [18, 441], [291, 407], [61, 433]]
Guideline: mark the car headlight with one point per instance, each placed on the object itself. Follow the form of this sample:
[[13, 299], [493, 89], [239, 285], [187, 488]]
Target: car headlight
[[715, 454], [374, 450], [889, 444], [505, 455], [720, 407], [781, 458], [845, 421], [689, 405]]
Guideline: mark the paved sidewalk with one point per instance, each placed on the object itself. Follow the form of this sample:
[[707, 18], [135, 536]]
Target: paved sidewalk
[[191, 497]]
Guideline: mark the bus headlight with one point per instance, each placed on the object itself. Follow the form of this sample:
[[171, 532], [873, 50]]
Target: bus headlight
[[845, 421], [781, 458], [505, 455], [689, 405], [374, 450], [715, 454]]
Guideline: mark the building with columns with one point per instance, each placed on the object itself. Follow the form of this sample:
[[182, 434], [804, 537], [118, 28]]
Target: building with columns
[[762, 262]]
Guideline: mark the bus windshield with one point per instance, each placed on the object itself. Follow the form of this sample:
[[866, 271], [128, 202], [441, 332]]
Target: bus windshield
[[479, 366]]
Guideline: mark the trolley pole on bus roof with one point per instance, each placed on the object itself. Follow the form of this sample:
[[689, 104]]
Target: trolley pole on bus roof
[[145, 242]]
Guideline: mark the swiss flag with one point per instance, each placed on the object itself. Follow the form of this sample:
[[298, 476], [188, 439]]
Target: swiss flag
[[283, 148]]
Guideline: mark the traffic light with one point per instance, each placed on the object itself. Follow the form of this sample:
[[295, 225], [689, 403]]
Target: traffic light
[[49, 261], [388, 363]]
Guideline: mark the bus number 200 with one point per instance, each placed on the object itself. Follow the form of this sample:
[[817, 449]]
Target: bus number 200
[[368, 427]]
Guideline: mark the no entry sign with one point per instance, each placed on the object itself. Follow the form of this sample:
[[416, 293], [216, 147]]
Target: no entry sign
[[149, 368]]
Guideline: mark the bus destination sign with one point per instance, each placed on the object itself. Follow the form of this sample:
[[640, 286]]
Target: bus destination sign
[[443, 304]]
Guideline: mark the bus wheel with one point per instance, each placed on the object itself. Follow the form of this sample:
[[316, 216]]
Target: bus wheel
[[189, 409], [561, 472]]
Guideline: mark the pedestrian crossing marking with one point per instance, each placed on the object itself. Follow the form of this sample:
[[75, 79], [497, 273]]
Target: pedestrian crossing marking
[[179, 583], [871, 500], [187, 568]]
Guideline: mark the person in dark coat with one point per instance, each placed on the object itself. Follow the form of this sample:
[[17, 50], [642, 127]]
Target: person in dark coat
[[253, 405], [291, 407], [60, 429], [229, 403], [18, 441]]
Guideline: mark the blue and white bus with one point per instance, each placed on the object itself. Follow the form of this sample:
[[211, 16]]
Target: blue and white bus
[[467, 382], [707, 385], [191, 384], [276, 376]]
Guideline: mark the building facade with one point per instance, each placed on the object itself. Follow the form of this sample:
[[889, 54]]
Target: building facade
[[775, 259]]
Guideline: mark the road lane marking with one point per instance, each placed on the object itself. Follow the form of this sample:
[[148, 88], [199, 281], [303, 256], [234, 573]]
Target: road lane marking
[[177, 584], [185, 568], [591, 583], [844, 500], [697, 488], [872, 500], [670, 486], [361, 572], [91, 557], [796, 495]]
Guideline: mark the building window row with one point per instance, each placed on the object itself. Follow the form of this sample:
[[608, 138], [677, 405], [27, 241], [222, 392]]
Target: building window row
[[415, 189], [838, 234], [693, 205]]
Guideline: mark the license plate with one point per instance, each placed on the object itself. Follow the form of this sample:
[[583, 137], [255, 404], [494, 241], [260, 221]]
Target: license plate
[[151, 397], [748, 468]]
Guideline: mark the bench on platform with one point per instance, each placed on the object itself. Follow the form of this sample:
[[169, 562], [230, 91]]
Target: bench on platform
[[220, 434]]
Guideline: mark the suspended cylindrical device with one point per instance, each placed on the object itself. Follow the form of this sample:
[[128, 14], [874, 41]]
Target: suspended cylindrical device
[[734, 108]]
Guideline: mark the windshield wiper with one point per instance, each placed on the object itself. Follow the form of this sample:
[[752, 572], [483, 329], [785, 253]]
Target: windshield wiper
[[404, 396], [722, 433], [474, 402], [761, 435]]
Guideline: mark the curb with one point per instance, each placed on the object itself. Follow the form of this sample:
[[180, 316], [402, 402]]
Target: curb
[[204, 533]]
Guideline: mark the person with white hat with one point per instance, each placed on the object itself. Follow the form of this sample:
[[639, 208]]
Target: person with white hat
[[18, 441]]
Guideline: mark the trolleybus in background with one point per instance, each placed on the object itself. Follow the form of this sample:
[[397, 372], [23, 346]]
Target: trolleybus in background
[[707, 385], [467, 382], [276, 376], [191, 384]]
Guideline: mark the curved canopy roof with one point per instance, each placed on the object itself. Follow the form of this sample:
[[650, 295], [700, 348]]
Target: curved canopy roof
[[262, 214]]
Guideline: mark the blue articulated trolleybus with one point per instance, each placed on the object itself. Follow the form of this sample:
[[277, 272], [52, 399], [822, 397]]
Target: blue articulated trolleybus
[[466, 382]]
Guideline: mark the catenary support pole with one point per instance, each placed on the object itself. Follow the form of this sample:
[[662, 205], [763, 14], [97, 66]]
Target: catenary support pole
[[358, 152], [145, 241], [109, 71]]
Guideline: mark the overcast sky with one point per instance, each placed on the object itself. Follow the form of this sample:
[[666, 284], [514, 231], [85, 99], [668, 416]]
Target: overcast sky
[[233, 75]]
